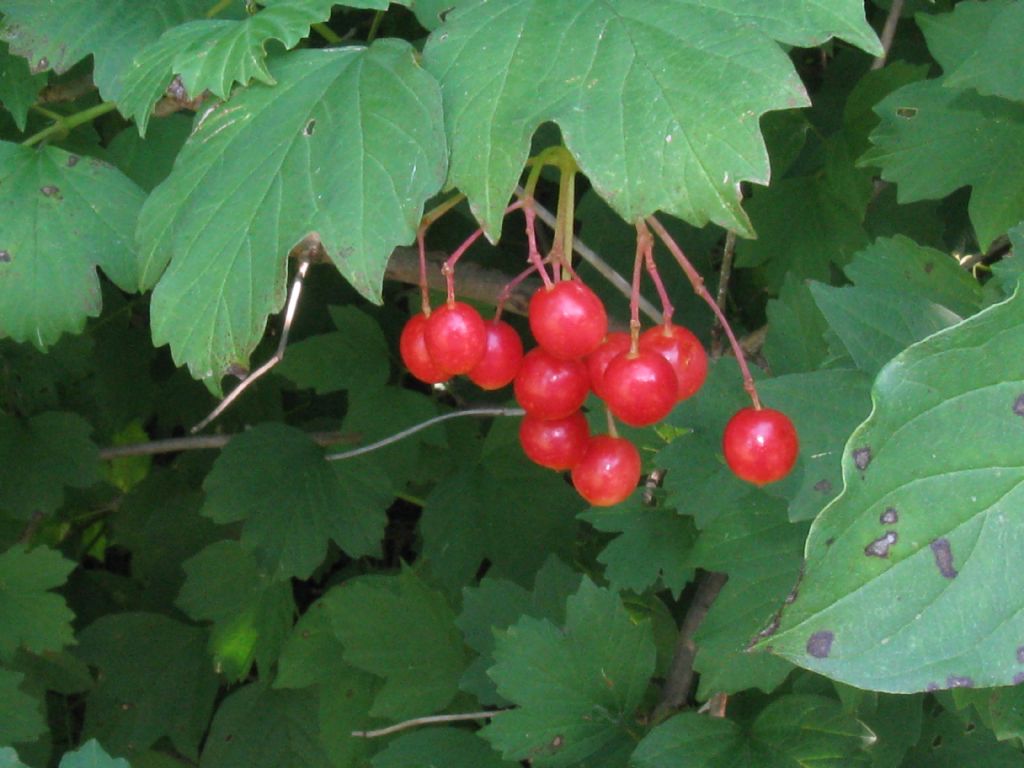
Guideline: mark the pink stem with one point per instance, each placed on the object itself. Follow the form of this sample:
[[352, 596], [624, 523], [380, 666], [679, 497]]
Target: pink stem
[[644, 234], [510, 286], [531, 239], [448, 268], [698, 286], [634, 297]]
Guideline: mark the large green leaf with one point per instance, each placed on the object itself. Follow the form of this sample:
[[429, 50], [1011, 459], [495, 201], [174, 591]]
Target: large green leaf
[[40, 457], [400, 629], [18, 86], [450, 747], [63, 215], [1001, 75], [577, 687], [91, 755], [274, 478], [9, 758], [354, 146], [21, 715], [56, 34], [791, 731], [33, 616], [155, 679], [897, 593], [658, 101], [251, 612]]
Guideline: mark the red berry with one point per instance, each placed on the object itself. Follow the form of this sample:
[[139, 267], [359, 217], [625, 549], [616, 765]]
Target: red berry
[[683, 350], [608, 472], [502, 357], [613, 345], [760, 446], [556, 443], [456, 337], [550, 388], [641, 388], [567, 319], [414, 352]]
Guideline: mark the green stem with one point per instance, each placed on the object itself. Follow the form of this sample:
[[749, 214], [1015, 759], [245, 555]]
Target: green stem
[[374, 27], [67, 124], [327, 33], [47, 112], [217, 8]]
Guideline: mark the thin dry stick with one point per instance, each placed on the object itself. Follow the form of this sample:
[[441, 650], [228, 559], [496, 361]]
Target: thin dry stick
[[477, 412], [724, 275], [430, 720], [278, 356], [698, 286], [680, 675], [888, 33], [203, 443], [594, 259]]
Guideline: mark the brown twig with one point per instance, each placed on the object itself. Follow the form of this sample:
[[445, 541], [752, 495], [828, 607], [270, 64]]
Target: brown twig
[[430, 720], [680, 675], [205, 443], [888, 33], [724, 275]]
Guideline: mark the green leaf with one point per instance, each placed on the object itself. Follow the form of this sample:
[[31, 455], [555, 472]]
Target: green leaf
[[40, 457], [876, 324], [33, 617], [654, 544], [21, 715], [59, 33], [791, 731], [274, 478], [917, 270], [227, 217], [796, 330], [929, 144], [154, 680], [946, 742], [18, 86], [435, 747], [91, 755], [759, 549], [64, 216], [251, 612], [652, 123], [1001, 709], [398, 628], [148, 161], [826, 406], [258, 727], [9, 759], [925, 525], [1001, 75], [356, 356], [495, 605], [577, 688]]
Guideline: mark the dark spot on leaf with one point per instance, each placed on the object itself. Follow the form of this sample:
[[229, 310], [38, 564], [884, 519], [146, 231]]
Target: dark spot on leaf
[[830, 541], [889, 517], [932, 687], [310, 127], [229, 738], [907, 112], [823, 486], [1020, 654], [5, 257], [51, 191], [862, 457], [880, 546], [820, 644], [937, 741], [1018, 405], [1018, 678], [957, 681], [928, 267], [72, 161], [305, 634], [944, 558]]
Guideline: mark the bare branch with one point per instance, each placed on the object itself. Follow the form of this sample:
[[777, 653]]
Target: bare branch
[[888, 33], [204, 443], [724, 275], [430, 720]]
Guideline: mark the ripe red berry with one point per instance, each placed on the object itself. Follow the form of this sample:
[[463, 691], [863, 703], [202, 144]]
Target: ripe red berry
[[414, 352], [502, 357], [683, 350], [556, 443], [608, 472], [760, 446], [456, 337], [613, 345], [641, 388], [548, 387], [567, 319]]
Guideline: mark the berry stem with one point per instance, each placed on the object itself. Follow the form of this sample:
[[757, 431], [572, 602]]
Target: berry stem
[[428, 219], [533, 252], [610, 420], [566, 213], [634, 298], [645, 240], [698, 286], [448, 268], [510, 286]]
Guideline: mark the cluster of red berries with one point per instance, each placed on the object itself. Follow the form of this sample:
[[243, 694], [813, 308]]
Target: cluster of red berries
[[640, 381]]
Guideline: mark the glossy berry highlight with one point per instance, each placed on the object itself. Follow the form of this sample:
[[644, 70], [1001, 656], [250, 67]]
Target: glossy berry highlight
[[760, 446], [557, 444], [608, 472], [456, 337], [567, 319], [639, 388], [549, 387], [503, 354]]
